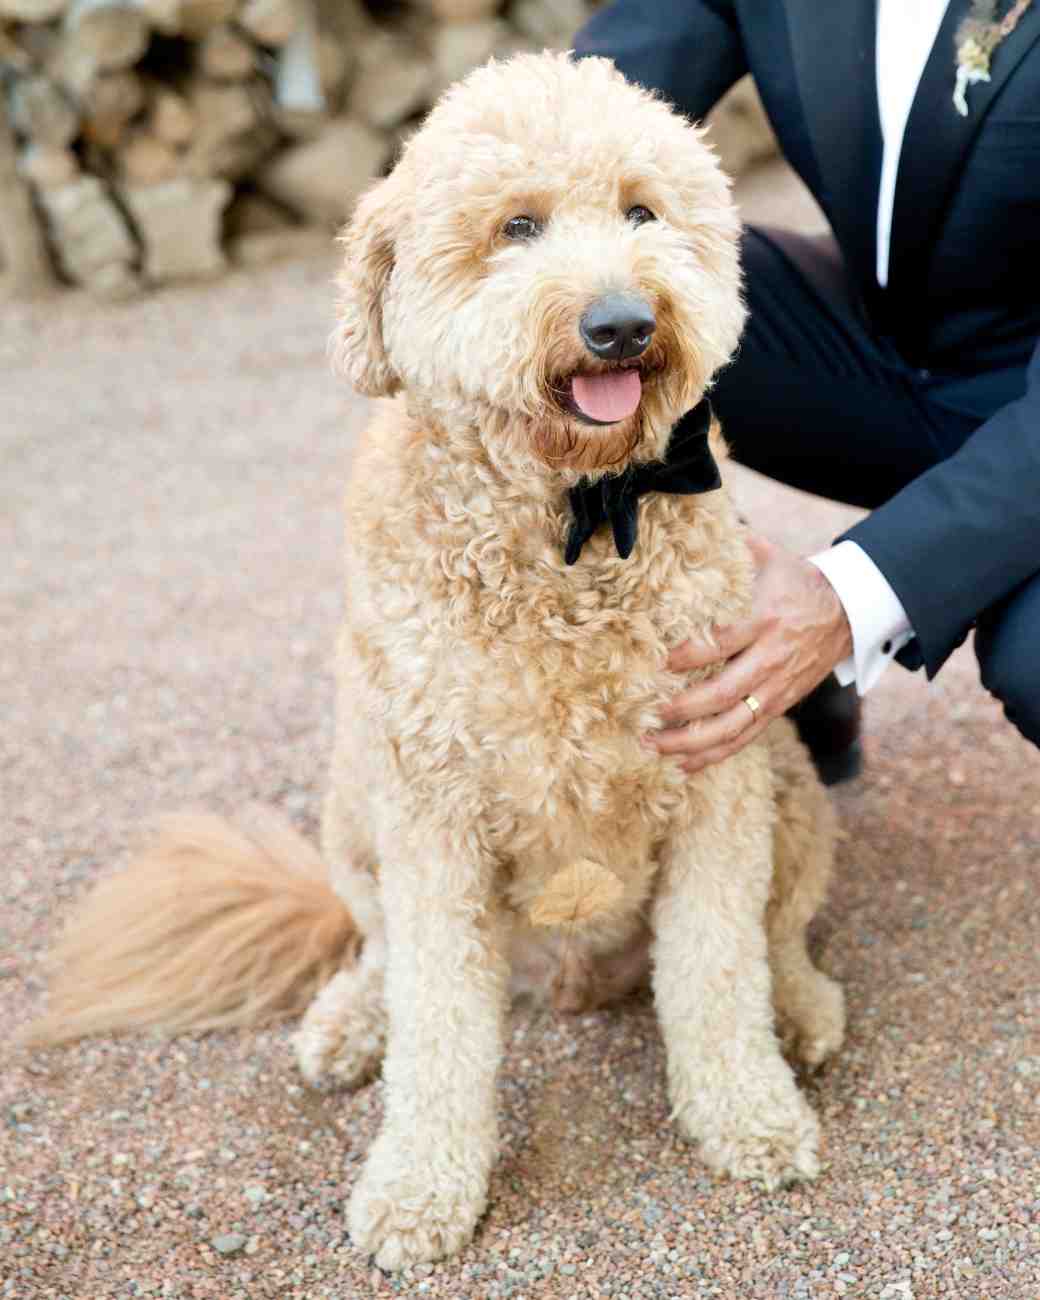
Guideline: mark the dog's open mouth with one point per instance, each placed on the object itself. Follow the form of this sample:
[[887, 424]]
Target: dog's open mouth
[[603, 396]]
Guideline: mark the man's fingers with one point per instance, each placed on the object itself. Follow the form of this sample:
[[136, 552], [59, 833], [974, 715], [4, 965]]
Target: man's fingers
[[703, 736], [725, 642], [742, 677], [705, 758]]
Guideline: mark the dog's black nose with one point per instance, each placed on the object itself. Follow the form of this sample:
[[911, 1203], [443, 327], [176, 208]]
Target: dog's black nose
[[618, 326]]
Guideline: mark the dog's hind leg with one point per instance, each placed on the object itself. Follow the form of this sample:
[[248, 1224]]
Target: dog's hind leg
[[342, 1037], [343, 1034], [810, 1006], [346, 845]]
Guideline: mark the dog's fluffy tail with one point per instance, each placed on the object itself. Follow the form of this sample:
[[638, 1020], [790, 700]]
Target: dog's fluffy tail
[[213, 927]]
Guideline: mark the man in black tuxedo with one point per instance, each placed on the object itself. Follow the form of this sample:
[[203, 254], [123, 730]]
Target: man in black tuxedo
[[895, 367]]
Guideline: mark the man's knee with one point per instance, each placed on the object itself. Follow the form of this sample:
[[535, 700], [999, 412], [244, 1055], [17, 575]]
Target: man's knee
[[1008, 664]]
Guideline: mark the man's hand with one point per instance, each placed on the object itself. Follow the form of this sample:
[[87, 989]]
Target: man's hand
[[796, 633]]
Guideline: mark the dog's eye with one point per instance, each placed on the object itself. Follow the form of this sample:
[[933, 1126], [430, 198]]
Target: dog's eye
[[522, 228], [639, 215]]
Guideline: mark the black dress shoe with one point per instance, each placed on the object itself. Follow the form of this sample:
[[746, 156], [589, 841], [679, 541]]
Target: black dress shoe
[[828, 723]]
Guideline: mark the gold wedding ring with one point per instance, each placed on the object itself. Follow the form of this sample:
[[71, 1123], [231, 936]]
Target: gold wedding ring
[[753, 705]]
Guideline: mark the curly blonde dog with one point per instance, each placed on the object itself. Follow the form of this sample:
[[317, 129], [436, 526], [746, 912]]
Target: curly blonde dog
[[491, 806]]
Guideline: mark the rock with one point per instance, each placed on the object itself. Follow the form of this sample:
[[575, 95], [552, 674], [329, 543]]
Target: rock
[[144, 159], [163, 15], [13, 53], [255, 214], [322, 178], [115, 282], [298, 91], [179, 225], [73, 67], [112, 33], [228, 1243], [42, 112], [233, 134], [392, 82], [459, 47], [197, 17], [22, 254], [31, 11], [171, 118], [271, 22], [265, 247], [109, 105], [335, 64], [93, 243], [549, 25], [226, 55], [47, 166], [463, 11]]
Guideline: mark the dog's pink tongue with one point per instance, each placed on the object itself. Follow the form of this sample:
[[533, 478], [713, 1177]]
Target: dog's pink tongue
[[607, 397]]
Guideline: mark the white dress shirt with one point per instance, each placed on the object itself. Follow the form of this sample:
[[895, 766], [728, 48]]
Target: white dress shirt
[[906, 32]]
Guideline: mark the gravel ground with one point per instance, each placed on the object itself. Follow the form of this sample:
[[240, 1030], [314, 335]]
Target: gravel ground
[[171, 476]]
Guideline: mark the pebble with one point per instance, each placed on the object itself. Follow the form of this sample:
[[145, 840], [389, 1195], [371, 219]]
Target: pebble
[[229, 1243]]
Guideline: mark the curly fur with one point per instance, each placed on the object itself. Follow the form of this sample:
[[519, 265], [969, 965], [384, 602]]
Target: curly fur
[[494, 699]]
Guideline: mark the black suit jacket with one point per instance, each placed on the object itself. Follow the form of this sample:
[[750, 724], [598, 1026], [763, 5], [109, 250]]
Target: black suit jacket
[[963, 296]]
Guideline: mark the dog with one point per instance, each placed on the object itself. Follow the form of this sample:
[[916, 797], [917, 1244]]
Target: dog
[[544, 283]]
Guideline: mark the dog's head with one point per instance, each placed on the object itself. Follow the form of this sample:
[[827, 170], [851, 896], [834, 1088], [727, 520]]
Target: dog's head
[[552, 260]]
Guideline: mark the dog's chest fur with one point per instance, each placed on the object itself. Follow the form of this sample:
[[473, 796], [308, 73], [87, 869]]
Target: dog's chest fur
[[519, 687]]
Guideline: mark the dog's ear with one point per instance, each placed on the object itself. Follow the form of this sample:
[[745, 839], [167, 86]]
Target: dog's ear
[[368, 240]]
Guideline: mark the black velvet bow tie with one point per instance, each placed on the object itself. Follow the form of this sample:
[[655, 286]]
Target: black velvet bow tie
[[688, 467]]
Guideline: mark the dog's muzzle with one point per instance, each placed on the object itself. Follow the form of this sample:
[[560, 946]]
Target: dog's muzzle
[[616, 329]]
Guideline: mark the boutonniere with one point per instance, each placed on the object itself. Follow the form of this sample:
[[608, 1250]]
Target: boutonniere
[[977, 37]]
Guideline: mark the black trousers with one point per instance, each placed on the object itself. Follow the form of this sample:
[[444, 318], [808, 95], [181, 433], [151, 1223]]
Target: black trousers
[[818, 401]]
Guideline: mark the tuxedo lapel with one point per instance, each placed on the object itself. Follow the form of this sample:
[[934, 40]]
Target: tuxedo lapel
[[833, 48], [935, 146]]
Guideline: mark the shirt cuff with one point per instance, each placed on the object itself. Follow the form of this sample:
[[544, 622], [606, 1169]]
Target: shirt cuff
[[880, 627]]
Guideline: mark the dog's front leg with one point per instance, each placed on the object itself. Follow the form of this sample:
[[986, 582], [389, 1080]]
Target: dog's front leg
[[730, 1088], [424, 1185]]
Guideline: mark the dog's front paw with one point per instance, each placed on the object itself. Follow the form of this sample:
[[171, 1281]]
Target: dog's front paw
[[774, 1154], [407, 1209], [766, 1133]]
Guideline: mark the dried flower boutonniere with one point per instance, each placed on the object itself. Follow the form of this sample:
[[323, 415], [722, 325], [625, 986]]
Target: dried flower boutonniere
[[977, 37]]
